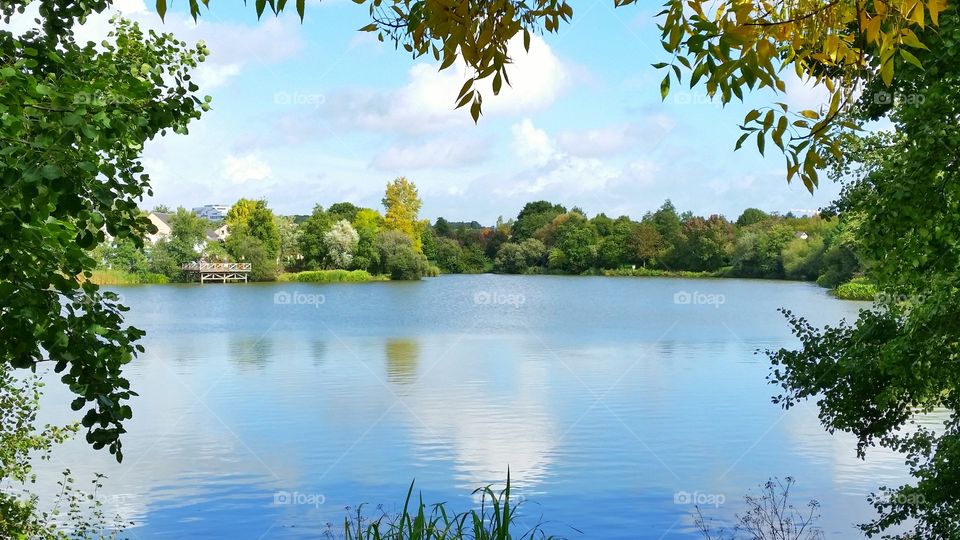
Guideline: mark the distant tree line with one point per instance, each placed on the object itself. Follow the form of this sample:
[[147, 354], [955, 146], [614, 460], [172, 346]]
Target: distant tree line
[[543, 238]]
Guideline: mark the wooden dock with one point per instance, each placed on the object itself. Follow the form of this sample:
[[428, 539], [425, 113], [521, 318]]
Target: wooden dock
[[222, 272]]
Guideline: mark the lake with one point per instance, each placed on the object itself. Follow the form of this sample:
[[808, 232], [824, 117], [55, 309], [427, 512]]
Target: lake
[[616, 403]]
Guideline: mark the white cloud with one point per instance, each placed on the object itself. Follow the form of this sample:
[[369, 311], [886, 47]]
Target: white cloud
[[426, 102], [232, 46], [245, 168], [435, 153], [532, 145], [612, 140], [209, 76]]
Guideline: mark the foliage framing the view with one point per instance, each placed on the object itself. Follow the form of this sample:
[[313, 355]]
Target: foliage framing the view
[[839, 45], [73, 121], [878, 376]]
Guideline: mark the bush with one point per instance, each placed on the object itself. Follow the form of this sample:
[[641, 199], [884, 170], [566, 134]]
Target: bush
[[856, 289]]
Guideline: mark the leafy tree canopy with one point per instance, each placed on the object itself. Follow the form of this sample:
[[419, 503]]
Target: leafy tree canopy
[[74, 121]]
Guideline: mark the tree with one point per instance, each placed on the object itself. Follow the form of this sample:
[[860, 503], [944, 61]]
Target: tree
[[124, 255], [256, 220], [614, 248], [311, 244], [448, 256], [751, 216], [239, 213], [534, 216], [802, 259], [262, 225], [245, 247], [289, 235], [368, 224], [188, 234], [644, 244], [340, 243], [576, 242], [667, 223], [872, 377], [705, 244], [397, 257], [510, 259], [75, 121], [442, 227], [343, 210], [757, 251], [402, 203], [519, 258]]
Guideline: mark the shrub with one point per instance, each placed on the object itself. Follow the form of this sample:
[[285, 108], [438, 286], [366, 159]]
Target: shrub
[[856, 289]]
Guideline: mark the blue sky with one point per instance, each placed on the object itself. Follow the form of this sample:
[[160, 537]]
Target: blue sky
[[319, 113]]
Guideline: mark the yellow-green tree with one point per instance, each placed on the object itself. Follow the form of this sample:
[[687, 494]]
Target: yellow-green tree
[[402, 202], [239, 213]]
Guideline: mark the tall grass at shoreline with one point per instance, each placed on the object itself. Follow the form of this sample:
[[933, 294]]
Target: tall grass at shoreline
[[653, 272], [119, 277], [331, 276], [496, 519]]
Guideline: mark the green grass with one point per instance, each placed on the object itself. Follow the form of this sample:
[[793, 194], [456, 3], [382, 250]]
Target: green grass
[[652, 272], [331, 276], [496, 519], [119, 277], [856, 289]]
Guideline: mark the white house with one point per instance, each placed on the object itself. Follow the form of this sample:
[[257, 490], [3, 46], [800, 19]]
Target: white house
[[213, 212], [801, 235], [219, 234], [162, 222]]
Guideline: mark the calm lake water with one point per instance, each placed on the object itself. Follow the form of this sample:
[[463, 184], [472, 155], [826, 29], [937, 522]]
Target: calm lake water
[[265, 410]]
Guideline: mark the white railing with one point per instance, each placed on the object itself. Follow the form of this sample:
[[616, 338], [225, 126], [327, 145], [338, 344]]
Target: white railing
[[216, 267]]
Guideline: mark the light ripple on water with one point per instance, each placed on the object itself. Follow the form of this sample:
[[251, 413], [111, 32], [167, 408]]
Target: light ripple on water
[[603, 396]]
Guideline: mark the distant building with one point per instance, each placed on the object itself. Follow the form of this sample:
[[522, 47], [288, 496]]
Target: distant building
[[213, 212], [801, 235], [218, 234], [161, 220]]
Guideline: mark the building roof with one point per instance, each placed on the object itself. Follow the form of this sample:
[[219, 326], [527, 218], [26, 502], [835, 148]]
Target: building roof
[[163, 216]]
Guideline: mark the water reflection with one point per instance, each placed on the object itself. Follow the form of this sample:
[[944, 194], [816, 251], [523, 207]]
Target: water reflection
[[602, 409], [318, 351], [402, 358], [251, 352]]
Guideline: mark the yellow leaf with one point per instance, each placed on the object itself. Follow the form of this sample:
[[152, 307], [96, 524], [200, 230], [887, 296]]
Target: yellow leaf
[[917, 14], [886, 72], [935, 7]]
